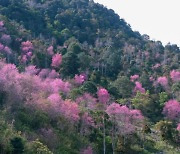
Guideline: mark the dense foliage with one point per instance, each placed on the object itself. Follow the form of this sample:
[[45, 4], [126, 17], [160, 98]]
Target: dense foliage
[[74, 78]]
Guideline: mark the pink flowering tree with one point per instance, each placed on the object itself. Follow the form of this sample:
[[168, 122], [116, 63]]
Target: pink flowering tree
[[55, 104], [125, 121], [27, 46], [79, 79], [70, 110], [87, 123], [88, 102], [163, 81], [56, 60], [44, 73], [175, 75], [103, 97], [134, 77], [156, 66], [27, 49], [138, 87], [31, 70], [50, 50], [57, 85], [6, 39], [178, 127], [10, 82], [172, 110], [53, 74]]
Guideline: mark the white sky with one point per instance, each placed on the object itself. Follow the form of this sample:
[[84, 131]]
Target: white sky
[[160, 19]]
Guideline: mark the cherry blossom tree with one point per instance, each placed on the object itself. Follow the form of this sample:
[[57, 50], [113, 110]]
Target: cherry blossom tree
[[103, 97], [56, 60], [27, 46], [50, 50], [6, 39], [175, 75], [79, 79], [86, 123], [70, 110], [178, 127], [138, 87], [134, 77], [31, 70], [87, 101], [163, 81], [125, 121], [172, 110], [44, 73], [27, 49], [53, 74]]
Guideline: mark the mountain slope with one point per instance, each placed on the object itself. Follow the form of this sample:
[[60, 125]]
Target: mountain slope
[[75, 78]]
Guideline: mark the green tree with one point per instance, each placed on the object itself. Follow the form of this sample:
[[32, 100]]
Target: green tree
[[70, 64], [124, 86], [36, 147], [18, 145]]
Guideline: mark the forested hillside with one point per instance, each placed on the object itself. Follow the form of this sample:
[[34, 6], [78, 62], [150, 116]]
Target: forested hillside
[[75, 79]]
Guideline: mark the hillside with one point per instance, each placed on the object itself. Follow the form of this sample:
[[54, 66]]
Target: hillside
[[75, 78]]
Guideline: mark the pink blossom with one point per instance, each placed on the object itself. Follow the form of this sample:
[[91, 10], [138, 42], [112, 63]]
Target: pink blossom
[[24, 59], [175, 75], [50, 50], [136, 114], [138, 87], [7, 50], [53, 74], [70, 110], [88, 120], [79, 79], [44, 73], [163, 81], [146, 53], [124, 118], [178, 127], [87, 101], [113, 109], [103, 95], [29, 54], [156, 66], [172, 109], [9, 82], [151, 78], [66, 87], [31, 70], [27, 46], [134, 77], [58, 85], [55, 102], [1, 23], [54, 98], [6, 38], [56, 60]]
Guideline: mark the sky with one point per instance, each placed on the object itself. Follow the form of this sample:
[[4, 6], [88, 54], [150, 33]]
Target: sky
[[160, 19]]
